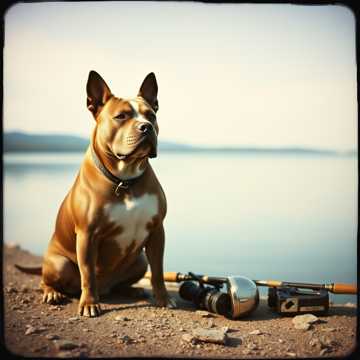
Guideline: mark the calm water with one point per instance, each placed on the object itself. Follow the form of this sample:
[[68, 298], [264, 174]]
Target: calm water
[[284, 217]]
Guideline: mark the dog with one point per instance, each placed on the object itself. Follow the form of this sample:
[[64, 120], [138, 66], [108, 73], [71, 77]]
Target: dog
[[109, 227]]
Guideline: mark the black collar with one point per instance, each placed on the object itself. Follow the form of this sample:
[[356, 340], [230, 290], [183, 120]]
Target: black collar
[[120, 184]]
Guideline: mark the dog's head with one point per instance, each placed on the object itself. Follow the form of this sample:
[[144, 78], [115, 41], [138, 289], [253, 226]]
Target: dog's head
[[125, 127]]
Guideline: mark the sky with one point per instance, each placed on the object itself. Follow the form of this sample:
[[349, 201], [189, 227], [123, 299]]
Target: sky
[[228, 74]]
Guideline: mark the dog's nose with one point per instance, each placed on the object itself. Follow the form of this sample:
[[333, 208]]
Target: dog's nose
[[144, 127]]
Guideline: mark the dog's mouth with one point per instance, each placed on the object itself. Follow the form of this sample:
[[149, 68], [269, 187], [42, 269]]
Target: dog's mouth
[[151, 152]]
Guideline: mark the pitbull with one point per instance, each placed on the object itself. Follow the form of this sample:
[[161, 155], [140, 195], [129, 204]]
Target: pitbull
[[115, 208]]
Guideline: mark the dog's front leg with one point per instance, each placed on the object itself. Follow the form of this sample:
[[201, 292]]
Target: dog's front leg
[[86, 252], [154, 252]]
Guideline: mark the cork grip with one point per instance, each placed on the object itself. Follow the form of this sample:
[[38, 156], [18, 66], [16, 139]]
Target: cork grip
[[170, 276], [340, 288]]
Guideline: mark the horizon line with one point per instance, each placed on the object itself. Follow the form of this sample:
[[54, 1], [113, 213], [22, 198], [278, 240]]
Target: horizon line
[[206, 147]]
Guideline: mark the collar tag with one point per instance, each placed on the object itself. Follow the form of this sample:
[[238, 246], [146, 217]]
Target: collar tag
[[122, 185]]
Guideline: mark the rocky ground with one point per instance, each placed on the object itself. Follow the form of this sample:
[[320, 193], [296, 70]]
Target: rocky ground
[[131, 326]]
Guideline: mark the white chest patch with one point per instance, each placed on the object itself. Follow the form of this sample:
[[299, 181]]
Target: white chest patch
[[133, 215]]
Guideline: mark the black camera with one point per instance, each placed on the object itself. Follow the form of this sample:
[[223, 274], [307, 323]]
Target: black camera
[[290, 300], [206, 297]]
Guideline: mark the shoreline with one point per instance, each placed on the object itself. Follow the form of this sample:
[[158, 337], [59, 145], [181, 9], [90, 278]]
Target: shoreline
[[130, 326]]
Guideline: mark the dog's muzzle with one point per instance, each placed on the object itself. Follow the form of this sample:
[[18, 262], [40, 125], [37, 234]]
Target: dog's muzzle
[[148, 131]]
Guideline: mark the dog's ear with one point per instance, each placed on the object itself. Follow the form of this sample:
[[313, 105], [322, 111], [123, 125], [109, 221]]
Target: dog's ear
[[98, 93], [149, 90]]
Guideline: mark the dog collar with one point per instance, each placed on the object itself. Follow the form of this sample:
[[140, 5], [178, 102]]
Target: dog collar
[[120, 183]]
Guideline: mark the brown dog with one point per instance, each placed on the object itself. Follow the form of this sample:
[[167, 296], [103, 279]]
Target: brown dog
[[115, 207]]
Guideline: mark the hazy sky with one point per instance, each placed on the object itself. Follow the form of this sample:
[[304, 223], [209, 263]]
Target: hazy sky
[[228, 74]]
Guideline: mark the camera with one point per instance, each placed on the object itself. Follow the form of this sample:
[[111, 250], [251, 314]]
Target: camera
[[206, 297]]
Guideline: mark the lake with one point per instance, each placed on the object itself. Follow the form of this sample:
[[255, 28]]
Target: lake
[[285, 217]]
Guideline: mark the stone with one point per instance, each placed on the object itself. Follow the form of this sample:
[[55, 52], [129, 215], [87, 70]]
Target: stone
[[121, 318], [64, 354], [52, 337], [304, 322], [329, 329], [255, 332], [210, 335], [309, 318], [328, 343], [292, 354], [74, 318], [10, 289], [188, 338], [325, 351], [246, 351], [225, 329], [65, 345], [204, 313], [126, 339], [32, 330], [252, 346], [314, 342], [303, 326], [210, 324]]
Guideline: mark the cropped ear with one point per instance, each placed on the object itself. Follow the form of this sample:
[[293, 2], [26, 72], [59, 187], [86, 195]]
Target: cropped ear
[[149, 91], [98, 93]]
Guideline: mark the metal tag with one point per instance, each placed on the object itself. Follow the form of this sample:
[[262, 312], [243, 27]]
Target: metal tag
[[120, 186]]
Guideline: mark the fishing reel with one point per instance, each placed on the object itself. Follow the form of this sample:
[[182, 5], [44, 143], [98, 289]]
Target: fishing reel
[[240, 299]]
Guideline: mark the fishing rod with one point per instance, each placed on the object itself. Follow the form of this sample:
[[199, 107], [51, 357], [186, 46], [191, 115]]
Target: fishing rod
[[242, 296], [335, 288]]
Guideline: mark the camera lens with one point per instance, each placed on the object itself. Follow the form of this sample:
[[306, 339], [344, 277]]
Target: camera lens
[[217, 302], [191, 292], [206, 297]]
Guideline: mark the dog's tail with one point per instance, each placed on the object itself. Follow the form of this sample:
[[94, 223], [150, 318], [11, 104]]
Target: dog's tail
[[35, 270]]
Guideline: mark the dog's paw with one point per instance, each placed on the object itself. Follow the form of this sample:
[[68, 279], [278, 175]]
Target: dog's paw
[[88, 305], [89, 310], [52, 296]]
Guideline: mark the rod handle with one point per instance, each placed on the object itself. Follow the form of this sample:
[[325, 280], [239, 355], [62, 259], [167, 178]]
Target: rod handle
[[170, 276], [270, 283], [341, 288]]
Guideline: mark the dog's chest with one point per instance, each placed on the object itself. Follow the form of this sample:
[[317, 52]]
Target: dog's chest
[[133, 216]]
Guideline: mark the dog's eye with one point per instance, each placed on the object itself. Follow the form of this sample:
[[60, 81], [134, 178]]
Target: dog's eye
[[121, 116]]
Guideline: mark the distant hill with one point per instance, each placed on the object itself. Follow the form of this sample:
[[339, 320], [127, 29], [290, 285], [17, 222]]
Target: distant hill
[[23, 142]]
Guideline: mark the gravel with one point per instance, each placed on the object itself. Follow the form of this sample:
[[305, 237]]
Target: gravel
[[131, 327]]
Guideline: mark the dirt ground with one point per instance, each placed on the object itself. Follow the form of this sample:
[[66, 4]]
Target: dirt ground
[[133, 327]]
